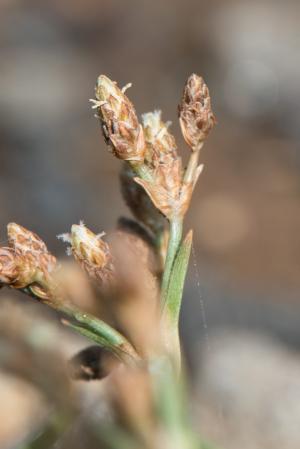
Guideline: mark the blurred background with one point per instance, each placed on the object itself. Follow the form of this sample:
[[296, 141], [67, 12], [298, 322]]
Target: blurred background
[[241, 313]]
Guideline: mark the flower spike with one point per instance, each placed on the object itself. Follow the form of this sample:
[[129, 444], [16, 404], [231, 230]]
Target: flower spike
[[195, 114], [91, 252], [119, 122]]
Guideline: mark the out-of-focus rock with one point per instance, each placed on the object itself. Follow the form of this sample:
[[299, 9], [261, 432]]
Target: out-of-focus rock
[[249, 392], [21, 409]]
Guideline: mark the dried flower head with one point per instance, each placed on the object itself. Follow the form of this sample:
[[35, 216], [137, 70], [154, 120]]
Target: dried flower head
[[195, 114], [91, 252], [27, 259], [166, 169], [119, 122], [30, 246]]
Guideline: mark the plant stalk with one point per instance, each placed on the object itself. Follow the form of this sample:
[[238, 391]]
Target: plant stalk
[[192, 164], [173, 245], [89, 326], [171, 311]]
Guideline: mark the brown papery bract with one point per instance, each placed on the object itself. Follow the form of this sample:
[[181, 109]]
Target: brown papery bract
[[139, 202]]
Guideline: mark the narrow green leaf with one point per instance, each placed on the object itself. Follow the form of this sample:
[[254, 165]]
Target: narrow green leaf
[[177, 279], [173, 246]]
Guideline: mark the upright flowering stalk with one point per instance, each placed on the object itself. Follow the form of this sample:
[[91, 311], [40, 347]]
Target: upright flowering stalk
[[158, 189], [196, 119], [169, 190], [151, 151]]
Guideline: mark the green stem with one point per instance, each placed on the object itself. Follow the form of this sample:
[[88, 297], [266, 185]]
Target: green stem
[[177, 280], [120, 352], [171, 311], [173, 245], [88, 325]]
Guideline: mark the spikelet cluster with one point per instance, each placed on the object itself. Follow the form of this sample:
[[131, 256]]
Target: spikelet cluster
[[26, 259], [152, 146]]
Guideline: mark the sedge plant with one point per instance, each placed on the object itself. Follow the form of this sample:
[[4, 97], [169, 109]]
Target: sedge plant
[[141, 334]]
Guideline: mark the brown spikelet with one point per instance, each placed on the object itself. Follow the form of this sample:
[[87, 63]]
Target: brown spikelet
[[91, 252], [30, 246], [27, 259], [119, 122], [195, 114]]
